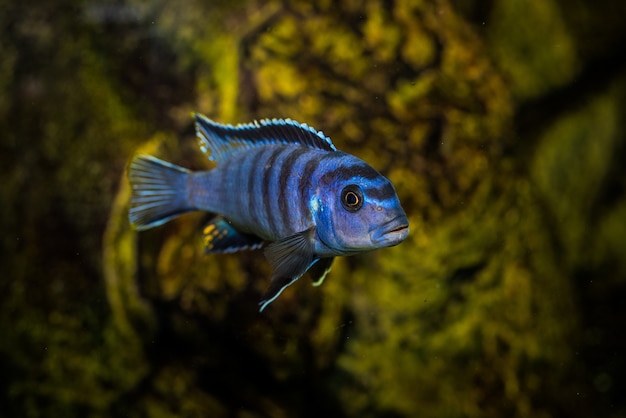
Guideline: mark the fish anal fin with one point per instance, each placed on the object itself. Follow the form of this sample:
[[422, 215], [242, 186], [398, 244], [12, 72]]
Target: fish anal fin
[[220, 236], [291, 258]]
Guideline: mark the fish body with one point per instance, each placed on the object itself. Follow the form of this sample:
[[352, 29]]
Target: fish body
[[276, 182]]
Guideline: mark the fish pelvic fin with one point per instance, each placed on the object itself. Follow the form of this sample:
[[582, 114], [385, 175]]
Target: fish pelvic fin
[[159, 191], [290, 257], [320, 269]]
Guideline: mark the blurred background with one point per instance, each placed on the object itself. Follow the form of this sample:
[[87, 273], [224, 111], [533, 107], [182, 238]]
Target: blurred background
[[501, 124]]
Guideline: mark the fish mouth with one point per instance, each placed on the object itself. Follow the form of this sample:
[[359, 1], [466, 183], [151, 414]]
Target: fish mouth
[[390, 233]]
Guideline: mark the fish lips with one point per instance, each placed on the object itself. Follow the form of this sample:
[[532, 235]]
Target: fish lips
[[390, 233]]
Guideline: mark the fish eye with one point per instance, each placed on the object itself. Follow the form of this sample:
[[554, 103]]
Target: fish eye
[[352, 198]]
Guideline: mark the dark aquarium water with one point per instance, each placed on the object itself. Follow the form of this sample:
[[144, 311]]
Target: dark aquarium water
[[502, 126]]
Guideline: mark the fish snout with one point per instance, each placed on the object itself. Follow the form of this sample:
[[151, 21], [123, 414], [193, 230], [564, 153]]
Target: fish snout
[[390, 233]]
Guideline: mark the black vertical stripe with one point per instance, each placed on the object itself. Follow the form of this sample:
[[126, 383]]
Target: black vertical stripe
[[244, 199], [233, 181], [286, 171], [220, 180], [305, 184], [268, 200], [307, 181], [254, 172]]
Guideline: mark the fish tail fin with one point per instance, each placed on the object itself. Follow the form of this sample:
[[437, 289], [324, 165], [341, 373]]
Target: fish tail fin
[[159, 191]]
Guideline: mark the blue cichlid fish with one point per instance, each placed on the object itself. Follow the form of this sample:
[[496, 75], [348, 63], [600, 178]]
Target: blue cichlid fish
[[276, 181]]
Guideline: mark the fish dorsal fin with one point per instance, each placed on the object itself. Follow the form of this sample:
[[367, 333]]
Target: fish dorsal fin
[[218, 141]]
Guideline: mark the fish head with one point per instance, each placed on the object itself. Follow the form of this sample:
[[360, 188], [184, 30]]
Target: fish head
[[360, 212]]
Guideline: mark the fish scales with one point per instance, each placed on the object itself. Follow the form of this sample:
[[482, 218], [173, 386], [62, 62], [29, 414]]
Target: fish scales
[[253, 189], [277, 226], [254, 185], [269, 189], [290, 217], [276, 182]]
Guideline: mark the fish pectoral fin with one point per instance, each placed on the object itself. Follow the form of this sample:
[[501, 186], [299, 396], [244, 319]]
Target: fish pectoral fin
[[222, 237], [320, 269], [291, 258]]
